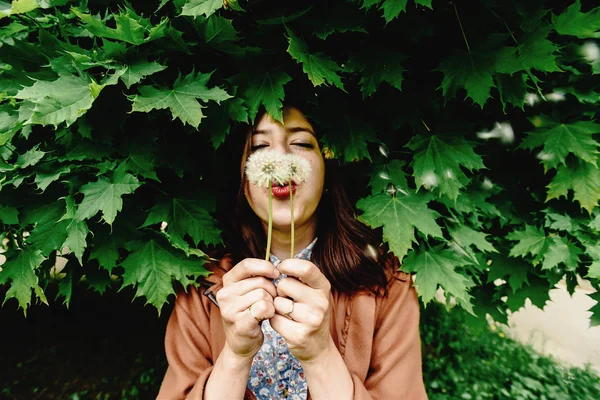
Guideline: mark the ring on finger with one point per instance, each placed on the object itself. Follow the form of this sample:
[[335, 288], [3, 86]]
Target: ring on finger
[[255, 317], [287, 314]]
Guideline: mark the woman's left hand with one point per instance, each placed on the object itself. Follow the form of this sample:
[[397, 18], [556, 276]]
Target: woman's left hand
[[306, 327]]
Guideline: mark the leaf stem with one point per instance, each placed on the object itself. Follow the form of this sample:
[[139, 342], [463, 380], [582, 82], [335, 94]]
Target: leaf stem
[[461, 27], [270, 228], [292, 216]]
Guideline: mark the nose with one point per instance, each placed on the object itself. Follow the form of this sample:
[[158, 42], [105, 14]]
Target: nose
[[280, 146]]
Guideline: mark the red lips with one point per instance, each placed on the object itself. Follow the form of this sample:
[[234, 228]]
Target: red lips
[[282, 192]]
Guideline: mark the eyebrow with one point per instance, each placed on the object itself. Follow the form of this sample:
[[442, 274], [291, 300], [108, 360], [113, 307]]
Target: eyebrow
[[291, 129]]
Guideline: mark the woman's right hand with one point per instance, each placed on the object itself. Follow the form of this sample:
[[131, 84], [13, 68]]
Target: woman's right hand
[[246, 285]]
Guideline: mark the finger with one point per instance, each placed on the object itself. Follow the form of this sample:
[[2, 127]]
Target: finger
[[261, 310], [249, 284], [302, 313], [252, 297], [287, 328], [300, 292], [306, 271], [249, 267]]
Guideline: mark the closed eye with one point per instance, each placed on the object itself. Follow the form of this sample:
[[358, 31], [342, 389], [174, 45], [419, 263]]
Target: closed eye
[[258, 146], [305, 145]]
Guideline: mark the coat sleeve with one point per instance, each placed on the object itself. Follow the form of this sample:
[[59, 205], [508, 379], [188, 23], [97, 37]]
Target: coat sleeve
[[188, 349], [395, 371]]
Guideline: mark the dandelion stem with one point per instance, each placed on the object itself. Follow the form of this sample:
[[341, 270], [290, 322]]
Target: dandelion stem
[[292, 216], [270, 228]]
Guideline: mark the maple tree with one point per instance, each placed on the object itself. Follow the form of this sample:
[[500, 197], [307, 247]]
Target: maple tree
[[470, 129]]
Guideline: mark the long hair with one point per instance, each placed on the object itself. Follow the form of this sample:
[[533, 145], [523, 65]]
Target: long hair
[[347, 251]]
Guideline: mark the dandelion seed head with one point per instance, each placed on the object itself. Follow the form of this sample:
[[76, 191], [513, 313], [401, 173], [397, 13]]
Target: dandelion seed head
[[449, 174], [299, 167], [383, 175], [266, 167], [371, 252], [542, 155], [163, 226], [390, 189], [555, 96], [502, 131], [531, 99], [384, 151], [487, 184], [590, 51], [429, 180]]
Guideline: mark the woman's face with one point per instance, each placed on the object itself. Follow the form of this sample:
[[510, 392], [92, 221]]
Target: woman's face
[[295, 136]]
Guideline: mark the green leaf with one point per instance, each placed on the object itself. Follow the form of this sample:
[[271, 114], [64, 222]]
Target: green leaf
[[583, 179], [532, 241], [138, 71], [512, 89], [465, 237], [391, 173], [23, 6], [186, 217], [514, 270], [393, 8], [142, 164], [399, 215], [376, 67], [76, 239], [472, 71], [49, 232], [319, 68], [182, 100], [98, 280], [437, 267], [65, 289], [44, 179], [560, 222], [536, 291], [350, 138], [218, 123], [105, 195], [594, 271], [127, 28], [561, 139], [561, 251], [535, 52], [62, 100], [20, 273], [31, 157], [107, 254], [266, 90], [151, 267], [575, 23], [195, 8], [217, 29], [437, 164], [9, 215]]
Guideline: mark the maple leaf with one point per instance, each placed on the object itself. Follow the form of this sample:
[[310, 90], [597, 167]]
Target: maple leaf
[[514, 270], [560, 222], [583, 179], [127, 28], [561, 139], [22, 7], [29, 158], [391, 173], [182, 100], [319, 68], [62, 100], [536, 291], [399, 215], [465, 237], [512, 89], [535, 52], [217, 29], [207, 8], [267, 90], [105, 195], [472, 71], [151, 268], [49, 232], [186, 217], [561, 251], [350, 139], [594, 270], [20, 273], [77, 232], [138, 71], [437, 267], [575, 23], [438, 164], [532, 241], [9, 215], [376, 67], [107, 254], [218, 123], [44, 179]]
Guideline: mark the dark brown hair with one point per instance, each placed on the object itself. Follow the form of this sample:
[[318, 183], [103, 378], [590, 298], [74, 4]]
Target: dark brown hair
[[347, 251]]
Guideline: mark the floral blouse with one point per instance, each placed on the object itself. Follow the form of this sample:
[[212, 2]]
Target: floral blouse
[[275, 373]]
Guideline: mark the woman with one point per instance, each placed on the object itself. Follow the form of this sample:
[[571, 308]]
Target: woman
[[341, 325]]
